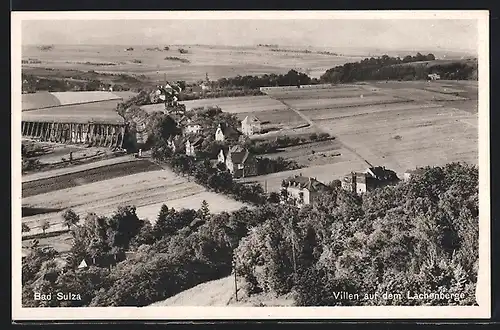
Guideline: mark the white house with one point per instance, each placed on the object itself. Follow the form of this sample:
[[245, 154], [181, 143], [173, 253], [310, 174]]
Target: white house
[[225, 132], [302, 190], [251, 125], [192, 127]]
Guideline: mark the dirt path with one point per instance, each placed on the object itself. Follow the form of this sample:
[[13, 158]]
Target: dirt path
[[213, 293]]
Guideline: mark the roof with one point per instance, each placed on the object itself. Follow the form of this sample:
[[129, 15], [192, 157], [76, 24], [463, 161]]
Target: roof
[[381, 173], [98, 112], [43, 100], [252, 119], [238, 154], [177, 140], [305, 182], [228, 130], [196, 141]]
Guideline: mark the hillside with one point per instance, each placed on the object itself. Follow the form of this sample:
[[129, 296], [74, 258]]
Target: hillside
[[221, 293]]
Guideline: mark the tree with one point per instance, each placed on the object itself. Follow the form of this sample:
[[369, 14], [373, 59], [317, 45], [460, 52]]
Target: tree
[[204, 211], [45, 225], [25, 228], [70, 218]]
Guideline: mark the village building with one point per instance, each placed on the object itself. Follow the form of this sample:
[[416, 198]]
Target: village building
[[191, 126], [238, 161], [192, 145], [251, 125], [301, 190], [224, 132], [374, 177], [175, 143], [411, 173]]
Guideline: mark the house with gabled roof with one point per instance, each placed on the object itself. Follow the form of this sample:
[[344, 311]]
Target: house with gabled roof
[[192, 145], [176, 143], [239, 161], [225, 132], [191, 126], [374, 177], [251, 125], [301, 190]]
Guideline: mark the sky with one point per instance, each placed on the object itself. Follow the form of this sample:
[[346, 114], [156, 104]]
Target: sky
[[428, 34]]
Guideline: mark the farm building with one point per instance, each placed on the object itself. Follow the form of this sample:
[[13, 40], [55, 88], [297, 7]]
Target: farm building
[[373, 178], [302, 190], [224, 132], [192, 144], [239, 161], [73, 117], [251, 125]]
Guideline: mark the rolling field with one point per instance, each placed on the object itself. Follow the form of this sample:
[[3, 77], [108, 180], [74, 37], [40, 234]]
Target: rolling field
[[99, 112], [147, 189], [402, 139], [218, 62], [329, 103], [311, 154], [77, 168], [55, 99], [75, 179], [401, 126], [228, 104]]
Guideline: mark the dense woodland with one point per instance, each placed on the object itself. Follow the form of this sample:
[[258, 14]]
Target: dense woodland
[[394, 68], [418, 236]]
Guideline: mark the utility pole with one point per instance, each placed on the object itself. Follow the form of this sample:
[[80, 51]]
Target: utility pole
[[293, 252], [235, 279]]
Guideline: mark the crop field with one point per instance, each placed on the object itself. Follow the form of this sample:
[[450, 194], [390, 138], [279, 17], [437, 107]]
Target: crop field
[[55, 99], [333, 92], [99, 112], [75, 179], [311, 154], [76, 168], [329, 103], [404, 139], [424, 95], [218, 62], [103, 197], [334, 113], [239, 104]]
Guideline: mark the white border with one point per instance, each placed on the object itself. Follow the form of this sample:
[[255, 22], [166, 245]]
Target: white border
[[180, 313]]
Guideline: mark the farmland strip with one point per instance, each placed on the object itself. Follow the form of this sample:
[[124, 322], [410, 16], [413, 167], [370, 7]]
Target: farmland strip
[[70, 180]]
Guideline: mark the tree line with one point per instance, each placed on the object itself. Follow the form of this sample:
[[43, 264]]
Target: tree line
[[396, 68]]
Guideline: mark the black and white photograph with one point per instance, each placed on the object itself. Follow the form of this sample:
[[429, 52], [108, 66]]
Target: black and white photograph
[[193, 163]]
